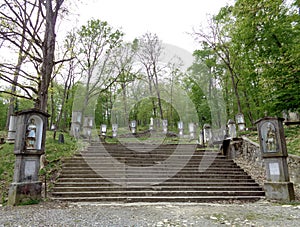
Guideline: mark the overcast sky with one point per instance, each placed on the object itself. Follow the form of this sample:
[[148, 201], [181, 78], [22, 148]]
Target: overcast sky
[[171, 20]]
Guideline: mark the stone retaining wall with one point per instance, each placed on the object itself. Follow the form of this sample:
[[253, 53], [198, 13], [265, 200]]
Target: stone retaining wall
[[250, 151], [294, 168]]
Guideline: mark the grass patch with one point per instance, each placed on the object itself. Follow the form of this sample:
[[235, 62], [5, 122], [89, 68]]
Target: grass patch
[[55, 153], [29, 202], [7, 162], [292, 137]]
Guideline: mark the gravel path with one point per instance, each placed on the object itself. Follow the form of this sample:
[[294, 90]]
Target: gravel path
[[261, 213]]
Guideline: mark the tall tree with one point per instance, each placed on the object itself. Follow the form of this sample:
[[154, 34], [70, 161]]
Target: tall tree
[[267, 34], [96, 41], [29, 27], [149, 54], [217, 39]]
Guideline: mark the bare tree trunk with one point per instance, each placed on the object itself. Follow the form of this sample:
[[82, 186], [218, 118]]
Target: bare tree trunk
[[123, 86], [158, 93], [150, 81], [48, 50], [52, 105], [235, 89], [249, 108]]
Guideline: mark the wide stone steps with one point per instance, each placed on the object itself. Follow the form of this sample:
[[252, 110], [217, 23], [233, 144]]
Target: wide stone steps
[[144, 193], [87, 188], [170, 199], [144, 173], [182, 173], [149, 177], [162, 185]]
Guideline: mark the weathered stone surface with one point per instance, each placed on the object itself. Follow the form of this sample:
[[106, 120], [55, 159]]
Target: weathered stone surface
[[246, 154], [280, 191], [23, 192]]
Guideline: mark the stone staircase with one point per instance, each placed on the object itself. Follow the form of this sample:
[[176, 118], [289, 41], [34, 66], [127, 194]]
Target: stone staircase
[[150, 173]]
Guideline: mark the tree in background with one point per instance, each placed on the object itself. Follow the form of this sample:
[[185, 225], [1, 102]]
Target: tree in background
[[267, 35], [96, 42], [149, 54], [29, 27], [254, 46]]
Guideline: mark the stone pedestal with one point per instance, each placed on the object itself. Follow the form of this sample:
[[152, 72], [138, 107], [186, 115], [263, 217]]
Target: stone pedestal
[[165, 126], [133, 126], [24, 191], [29, 146], [76, 124], [274, 153], [87, 127], [114, 130], [192, 130], [279, 191], [180, 128]]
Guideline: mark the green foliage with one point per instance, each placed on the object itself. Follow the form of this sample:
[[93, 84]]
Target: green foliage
[[3, 113], [24, 104], [143, 111], [266, 33], [292, 137], [252, 50], [6, 168], [30, 202], [199, 99]]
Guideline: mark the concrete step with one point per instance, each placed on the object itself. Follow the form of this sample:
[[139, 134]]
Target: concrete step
[[170, 199], [209, 169], [151, 181], [164, 184], [149, 176], [145, 193], [184, 172], [61, 188]]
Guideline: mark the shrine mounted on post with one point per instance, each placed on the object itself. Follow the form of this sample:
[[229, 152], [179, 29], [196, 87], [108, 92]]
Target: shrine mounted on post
[[274, 152], [29, 146]]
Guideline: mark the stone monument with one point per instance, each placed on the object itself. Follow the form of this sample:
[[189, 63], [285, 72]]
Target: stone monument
[[76, 124], [114, 128], [29, 146], [180, 128], [274, 153], [165, 126], [12, 129]]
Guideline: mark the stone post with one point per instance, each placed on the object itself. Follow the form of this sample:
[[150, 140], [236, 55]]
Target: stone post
[[151, 126], [114, 130], [133, 126], [207, 134], [29, 146], [76, 124], [192, 130], [103, 130], [165, 126], [240, 120], [274, 153], [231, 128], [180, 128], [201, 137], [12, 129], [87, 127]]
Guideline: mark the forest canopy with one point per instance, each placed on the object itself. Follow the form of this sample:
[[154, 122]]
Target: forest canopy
[[246, 61]]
